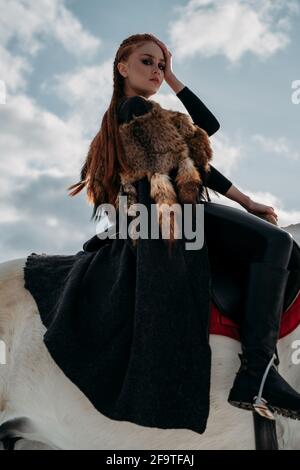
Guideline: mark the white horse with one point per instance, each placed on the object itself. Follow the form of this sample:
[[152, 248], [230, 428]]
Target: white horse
[[45, 409]]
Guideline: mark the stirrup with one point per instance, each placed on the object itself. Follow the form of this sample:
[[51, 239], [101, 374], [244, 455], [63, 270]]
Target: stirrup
[[260, 404], [261, 407]]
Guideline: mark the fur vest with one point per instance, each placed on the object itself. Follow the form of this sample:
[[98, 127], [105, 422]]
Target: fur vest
[[155, 144]]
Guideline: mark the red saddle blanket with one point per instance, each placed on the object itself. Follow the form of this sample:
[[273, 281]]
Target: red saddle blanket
[[222, 325]]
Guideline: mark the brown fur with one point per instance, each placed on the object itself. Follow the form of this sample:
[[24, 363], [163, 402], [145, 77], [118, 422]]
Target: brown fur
[[156, 143]]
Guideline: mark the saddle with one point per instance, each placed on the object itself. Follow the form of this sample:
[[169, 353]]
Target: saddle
[[229, 281]]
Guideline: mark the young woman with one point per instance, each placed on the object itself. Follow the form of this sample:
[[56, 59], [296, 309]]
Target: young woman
[[141, 65]]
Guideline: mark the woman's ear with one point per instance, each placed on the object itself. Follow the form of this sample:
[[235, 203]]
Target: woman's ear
[[122, 69]]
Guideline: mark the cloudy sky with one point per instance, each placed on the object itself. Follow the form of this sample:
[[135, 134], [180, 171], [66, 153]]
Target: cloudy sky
[[241, 57]]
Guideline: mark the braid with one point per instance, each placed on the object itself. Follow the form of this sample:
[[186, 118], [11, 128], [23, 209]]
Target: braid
[[105, 158]]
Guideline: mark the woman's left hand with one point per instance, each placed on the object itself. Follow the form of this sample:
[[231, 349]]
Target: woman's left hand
[[261, 210], [168, 72]]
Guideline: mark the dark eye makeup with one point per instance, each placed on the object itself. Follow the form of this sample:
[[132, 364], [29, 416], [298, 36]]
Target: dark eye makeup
[[149, 60]]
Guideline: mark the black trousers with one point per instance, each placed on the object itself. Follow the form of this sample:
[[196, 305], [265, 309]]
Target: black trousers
[[244, 236]]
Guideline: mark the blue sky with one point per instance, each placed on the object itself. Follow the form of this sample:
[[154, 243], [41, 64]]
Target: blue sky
[[56, 56]]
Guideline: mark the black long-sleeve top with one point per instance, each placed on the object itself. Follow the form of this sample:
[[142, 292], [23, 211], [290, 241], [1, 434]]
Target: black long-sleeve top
[[200, 114]]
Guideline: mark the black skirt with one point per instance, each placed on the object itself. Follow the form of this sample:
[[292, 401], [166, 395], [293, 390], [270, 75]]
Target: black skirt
[[130, 327]]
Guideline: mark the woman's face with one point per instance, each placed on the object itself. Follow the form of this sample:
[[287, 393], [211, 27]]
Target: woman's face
[[143, 65]]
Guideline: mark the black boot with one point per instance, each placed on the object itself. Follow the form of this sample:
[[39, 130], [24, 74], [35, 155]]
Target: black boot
[[258, 385]]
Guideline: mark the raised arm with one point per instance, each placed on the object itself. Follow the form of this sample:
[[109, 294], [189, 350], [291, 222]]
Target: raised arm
[[200, 114], [205, 119]]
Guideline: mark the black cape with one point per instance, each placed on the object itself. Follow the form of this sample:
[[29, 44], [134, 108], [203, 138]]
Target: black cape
[[130, 327]]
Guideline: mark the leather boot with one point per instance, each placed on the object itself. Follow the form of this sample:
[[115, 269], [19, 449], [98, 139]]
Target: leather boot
[[258, 386]]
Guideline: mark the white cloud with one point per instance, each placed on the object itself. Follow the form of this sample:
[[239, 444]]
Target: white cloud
[[43, 156], [70, 33], [232, 28], [36, 142], [28, 23], [87, 92], [226, 156], [13, 69], [277, 145], [9, 213]]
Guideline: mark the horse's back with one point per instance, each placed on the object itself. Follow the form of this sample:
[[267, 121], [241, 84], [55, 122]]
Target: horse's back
[[12, 268]]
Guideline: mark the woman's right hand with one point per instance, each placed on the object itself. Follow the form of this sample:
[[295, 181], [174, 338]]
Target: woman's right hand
[[261, 210]]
